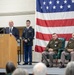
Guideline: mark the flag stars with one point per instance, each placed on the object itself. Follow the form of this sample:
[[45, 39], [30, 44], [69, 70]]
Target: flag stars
[[57, 6], [69, 6], [44, 3], [58, 2], [50, 2], [47, 7], [54, 7], [61, 7], [41, 7], [65, 1]]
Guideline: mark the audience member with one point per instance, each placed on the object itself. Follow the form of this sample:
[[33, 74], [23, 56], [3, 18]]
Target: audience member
[[70, 68], [10, 67], [40, 69], [20, 71]]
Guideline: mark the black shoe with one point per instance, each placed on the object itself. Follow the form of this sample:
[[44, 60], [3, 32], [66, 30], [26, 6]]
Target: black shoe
[[30, 63], [47, 65], [51, 66], [62, 66], [25, 64]]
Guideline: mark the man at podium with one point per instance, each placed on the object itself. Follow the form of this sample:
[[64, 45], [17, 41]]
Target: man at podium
[[12, 30]]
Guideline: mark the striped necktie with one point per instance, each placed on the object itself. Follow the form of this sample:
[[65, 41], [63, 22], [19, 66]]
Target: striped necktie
[[10, 30]]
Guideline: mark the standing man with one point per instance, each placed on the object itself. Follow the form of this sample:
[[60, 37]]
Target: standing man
[[28, 36], [51, 49], [12, 30], [69, 51]]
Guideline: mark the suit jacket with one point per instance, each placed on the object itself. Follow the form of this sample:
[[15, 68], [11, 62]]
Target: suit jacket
[[15, 32], [28, 34]]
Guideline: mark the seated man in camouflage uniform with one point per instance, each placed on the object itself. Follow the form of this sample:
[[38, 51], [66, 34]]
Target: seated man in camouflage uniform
[[69, 51], [51, 49]]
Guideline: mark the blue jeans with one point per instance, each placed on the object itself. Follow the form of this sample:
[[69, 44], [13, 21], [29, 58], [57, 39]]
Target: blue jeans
[[28, 53]]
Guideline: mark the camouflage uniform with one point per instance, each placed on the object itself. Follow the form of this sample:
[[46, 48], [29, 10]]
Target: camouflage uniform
[[55, 45], [70, 45]]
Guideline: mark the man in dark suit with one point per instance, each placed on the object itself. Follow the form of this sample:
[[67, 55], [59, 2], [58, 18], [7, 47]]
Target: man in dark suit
[[12, 30], [28, 36]]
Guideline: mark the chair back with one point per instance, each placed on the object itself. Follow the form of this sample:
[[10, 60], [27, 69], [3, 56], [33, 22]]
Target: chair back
[[63, 42]]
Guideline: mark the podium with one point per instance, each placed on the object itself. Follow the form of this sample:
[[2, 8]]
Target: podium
[[8, 49]]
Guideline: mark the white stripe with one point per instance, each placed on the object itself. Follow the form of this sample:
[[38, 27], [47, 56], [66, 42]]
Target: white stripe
[[72, 1], [41, 43], [66, 43], [55, 16], [58, 30]]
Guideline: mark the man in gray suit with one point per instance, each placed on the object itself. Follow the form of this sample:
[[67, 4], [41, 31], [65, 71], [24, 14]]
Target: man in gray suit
[[12, 30]]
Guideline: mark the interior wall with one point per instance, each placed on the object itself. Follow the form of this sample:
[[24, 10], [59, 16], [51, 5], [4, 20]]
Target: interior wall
[[7, 6], [19, 20], [18, 11]]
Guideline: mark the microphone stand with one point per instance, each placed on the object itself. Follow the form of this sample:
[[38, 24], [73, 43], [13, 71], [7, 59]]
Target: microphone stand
[[2, 31]]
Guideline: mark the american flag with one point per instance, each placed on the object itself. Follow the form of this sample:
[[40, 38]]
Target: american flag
[[53, 16]]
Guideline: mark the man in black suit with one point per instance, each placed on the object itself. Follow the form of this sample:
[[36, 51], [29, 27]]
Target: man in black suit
[[28, 36], [12, 30]]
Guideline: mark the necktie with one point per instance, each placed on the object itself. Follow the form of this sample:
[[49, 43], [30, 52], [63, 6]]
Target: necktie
[[10, 30]]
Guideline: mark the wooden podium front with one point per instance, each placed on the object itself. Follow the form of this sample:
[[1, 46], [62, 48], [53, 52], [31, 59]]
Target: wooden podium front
[[8, 49]]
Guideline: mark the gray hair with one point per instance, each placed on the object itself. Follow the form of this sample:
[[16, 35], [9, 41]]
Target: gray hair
[[20, 71], [70, 68], [10, 67], [40, 69]]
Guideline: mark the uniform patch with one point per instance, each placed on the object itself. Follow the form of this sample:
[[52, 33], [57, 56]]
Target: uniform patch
[[69, 41], [51, 42], [56, 41], [55, 45]]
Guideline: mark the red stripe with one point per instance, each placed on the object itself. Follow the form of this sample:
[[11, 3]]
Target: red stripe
[[39, 48], [47, 37], [55, 23]]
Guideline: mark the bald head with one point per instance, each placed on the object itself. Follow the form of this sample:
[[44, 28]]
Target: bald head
[[70, 68], [11, 23], [20, 71], [40, 69]]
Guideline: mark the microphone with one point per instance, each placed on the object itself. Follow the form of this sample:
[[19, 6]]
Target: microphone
[[2, 30]]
